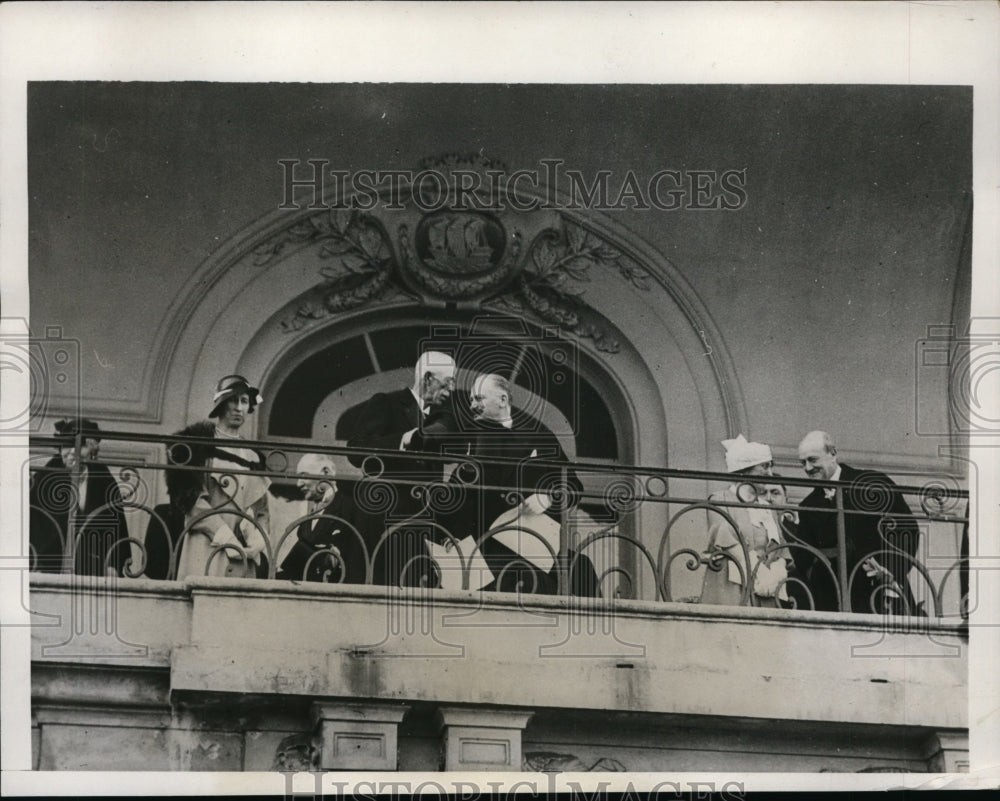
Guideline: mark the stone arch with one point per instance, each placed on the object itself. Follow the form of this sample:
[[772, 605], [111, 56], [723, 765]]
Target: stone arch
[[673, 374], [350, 357]]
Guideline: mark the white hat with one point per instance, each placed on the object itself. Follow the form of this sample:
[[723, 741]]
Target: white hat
[[741, 454]]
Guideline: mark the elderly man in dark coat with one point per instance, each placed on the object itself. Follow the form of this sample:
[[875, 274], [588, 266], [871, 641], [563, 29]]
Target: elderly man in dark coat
[[397, 421], [327, 547], [77, 521]]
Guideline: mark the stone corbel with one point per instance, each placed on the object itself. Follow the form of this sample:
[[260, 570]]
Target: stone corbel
[[482, 739], [358, 736], [947, 752]]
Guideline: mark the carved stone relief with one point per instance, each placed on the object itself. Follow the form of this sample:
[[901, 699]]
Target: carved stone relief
[[297, 752], [534, 264], [550, 762]]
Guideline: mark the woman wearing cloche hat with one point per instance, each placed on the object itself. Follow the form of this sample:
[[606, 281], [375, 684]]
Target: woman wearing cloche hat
[[227, 506]]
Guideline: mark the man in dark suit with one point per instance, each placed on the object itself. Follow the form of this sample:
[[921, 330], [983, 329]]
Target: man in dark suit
[[389, 420], [77, 521], [396, 421], [310, 558], [872, 540], [542, 494]]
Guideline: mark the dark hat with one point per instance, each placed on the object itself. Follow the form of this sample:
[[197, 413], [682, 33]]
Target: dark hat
[[230, 387], [72, 426]]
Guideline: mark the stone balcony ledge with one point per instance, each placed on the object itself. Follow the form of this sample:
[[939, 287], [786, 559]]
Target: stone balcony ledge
[[251, 638], [626, 608]]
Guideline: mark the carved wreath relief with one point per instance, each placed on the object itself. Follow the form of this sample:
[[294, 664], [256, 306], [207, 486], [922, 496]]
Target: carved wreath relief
[[533, 264]]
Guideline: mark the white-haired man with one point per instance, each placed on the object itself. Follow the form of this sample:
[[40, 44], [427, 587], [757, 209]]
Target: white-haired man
[[876, 518], [389, 420], [395, 421], [331, 528]]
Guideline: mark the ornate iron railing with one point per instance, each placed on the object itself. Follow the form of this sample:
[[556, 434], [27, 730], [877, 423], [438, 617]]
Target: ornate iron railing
[[591, 529]]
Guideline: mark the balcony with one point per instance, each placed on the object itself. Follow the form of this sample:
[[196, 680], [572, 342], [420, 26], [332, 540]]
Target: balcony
[[226, 666]]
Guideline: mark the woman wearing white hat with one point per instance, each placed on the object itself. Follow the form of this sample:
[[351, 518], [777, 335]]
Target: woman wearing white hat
[[757, 528], [225, 507]]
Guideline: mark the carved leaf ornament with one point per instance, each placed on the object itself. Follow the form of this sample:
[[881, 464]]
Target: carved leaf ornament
[[474, 257]]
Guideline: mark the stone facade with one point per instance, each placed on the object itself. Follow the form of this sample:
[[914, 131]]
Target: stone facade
[[241, 675]]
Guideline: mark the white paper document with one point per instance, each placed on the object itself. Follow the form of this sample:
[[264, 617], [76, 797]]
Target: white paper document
[[449, 561], [517, 535]]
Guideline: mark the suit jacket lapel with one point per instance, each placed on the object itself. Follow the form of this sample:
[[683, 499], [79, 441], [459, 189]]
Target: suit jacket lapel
[[847, 475], [817, 503], [411, 411]]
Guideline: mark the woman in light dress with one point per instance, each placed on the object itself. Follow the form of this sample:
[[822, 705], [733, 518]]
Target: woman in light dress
[[224, 507]]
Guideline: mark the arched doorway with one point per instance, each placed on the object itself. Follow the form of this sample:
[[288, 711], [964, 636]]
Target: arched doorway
[[315, 390], [318, 397]]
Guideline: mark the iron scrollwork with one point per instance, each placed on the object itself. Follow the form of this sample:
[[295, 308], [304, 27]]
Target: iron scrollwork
[[351, 553]]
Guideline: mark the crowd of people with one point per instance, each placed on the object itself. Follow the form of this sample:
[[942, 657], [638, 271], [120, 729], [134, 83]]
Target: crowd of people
[[483, 482]]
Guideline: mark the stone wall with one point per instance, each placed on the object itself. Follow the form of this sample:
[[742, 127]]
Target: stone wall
[[216, 674], [849, 246]]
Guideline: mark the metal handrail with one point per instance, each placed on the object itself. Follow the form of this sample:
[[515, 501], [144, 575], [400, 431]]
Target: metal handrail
[[384, 466], [616, 468]]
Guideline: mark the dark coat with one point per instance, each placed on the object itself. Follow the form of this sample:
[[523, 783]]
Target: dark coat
[[51, 496], [487, 488], [790, 533], [163, 532], [869, 491], [331, 529], [402, 559], [383, 420]]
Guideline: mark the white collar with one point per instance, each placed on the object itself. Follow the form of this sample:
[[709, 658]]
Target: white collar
[[829, 492], [424, 408], [322, 503]]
